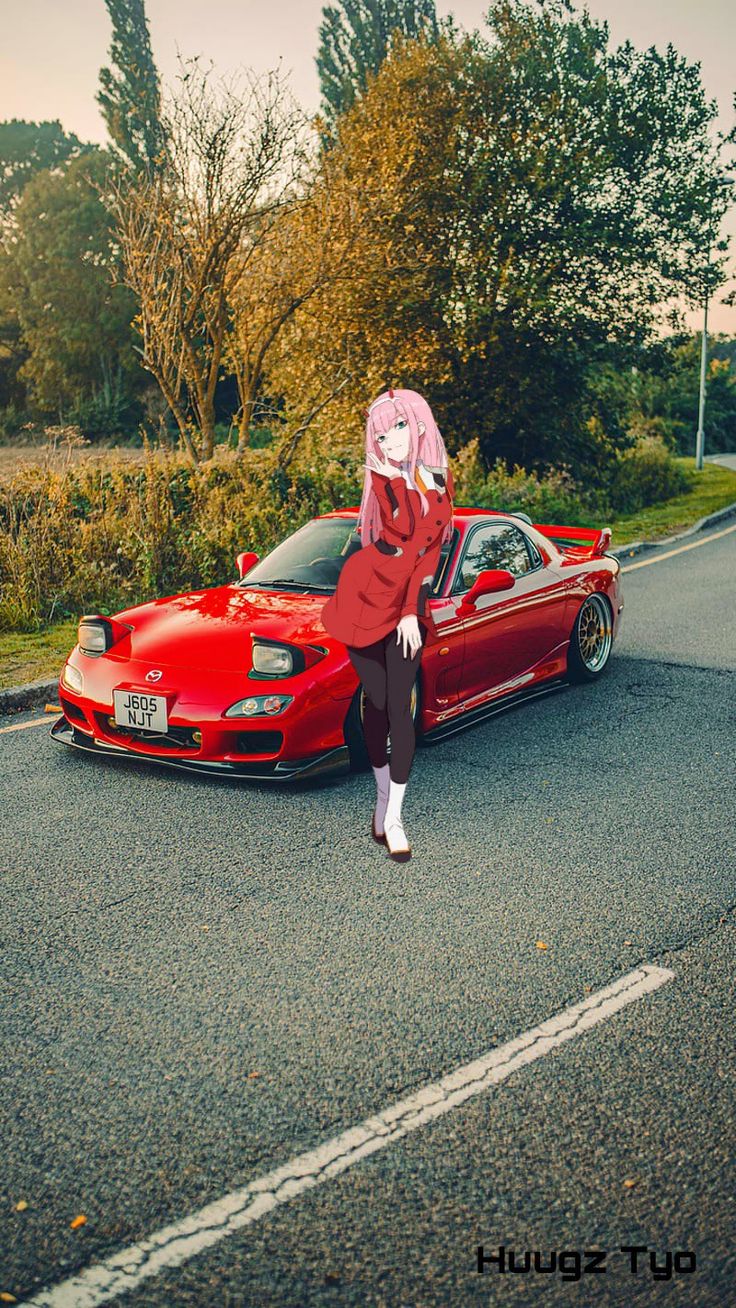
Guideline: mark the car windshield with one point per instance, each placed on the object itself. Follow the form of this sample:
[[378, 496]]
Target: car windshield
[[310, 560]]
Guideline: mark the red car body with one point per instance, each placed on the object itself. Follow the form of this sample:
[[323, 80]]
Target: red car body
[[504, 634]]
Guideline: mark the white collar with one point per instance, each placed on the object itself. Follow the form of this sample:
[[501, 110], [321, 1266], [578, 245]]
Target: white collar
[[427, 477]]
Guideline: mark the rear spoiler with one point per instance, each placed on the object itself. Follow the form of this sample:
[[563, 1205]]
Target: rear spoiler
[[578, 542]]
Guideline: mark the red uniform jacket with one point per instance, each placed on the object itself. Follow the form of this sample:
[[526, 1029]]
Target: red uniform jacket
[[382, 582]]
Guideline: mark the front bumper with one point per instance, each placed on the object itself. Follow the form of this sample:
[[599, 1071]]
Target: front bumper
[[330, 762]]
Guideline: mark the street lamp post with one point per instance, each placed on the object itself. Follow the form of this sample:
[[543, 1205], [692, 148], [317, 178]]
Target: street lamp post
[[700, 438]]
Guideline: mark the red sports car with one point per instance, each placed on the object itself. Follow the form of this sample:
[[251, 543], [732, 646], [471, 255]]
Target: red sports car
[[243, 680]]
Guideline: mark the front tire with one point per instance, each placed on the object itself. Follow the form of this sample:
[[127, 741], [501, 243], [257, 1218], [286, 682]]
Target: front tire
[[355, 736], [591, 640]]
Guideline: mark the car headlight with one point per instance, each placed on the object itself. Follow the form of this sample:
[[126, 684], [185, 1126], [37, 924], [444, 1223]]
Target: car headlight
[[92, 637], [96, 635], [259, 705], [273, 658], [72, 678]]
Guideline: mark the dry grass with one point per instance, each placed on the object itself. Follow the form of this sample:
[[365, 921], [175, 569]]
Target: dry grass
[[13, 458]]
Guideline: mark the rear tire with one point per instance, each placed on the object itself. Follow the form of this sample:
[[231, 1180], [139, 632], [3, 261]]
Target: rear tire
[[353, 729], [591, 640]]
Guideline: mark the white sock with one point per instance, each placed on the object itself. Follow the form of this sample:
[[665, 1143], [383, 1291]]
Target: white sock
[[395, 797], [382, 776], [394, 831]]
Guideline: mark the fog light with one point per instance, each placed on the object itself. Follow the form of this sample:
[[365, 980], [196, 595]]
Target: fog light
[[111, 723], [197, 737]]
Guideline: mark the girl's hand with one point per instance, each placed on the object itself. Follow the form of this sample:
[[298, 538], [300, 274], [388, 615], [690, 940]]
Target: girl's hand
[[408, 632], [383, 466]]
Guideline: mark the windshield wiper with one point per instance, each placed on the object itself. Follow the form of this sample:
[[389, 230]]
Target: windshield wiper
[[287, 581]]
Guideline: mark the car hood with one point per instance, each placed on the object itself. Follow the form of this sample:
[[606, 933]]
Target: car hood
[[212, 628]]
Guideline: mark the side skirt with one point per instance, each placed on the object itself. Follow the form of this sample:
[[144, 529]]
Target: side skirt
[[483, 711]]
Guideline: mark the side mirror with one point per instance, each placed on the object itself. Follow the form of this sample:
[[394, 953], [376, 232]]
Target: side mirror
[[244, 563], [486, 583]]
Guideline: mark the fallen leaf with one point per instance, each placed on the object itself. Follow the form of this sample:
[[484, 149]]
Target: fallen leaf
[[250, 1074], [52, 708], [5, 1297], [541, 945], [628, 942], [21, 1206], [78, 1221], [587, 987], [628, 1183]]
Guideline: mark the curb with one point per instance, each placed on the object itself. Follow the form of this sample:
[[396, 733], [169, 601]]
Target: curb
[[22, 697], [637, 546], [37, 692]]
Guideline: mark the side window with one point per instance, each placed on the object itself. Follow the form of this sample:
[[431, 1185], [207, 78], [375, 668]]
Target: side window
[[497, 545], [533, 551], [442, 563]]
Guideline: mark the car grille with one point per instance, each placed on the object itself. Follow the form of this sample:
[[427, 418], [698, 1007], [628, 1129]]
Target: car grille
[[176, 737], [262, 741]]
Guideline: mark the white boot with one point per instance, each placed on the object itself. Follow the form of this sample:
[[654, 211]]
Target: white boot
[[382, 776], [398, 845]]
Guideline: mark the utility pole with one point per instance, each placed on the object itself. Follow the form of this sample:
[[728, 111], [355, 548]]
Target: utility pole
[[700, 437]]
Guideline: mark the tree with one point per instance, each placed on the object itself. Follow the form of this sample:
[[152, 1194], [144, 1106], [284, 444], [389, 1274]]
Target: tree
[[582, 197], [535, 200], [288, 260], [667, 393], [379, 318], [74, 324], [130, 95], [231, 165], [354, 39], [28, 148]]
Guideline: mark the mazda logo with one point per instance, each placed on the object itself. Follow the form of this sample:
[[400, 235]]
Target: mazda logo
[[154, 675]]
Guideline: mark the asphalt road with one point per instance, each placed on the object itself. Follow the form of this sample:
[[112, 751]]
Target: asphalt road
[[166, 938]]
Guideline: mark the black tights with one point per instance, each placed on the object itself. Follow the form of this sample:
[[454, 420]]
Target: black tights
[[387, 676]]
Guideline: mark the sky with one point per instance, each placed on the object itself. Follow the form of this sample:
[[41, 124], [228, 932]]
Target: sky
[[52, 51]]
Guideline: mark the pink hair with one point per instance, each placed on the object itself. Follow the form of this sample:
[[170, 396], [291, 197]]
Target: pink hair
[[383, 413]]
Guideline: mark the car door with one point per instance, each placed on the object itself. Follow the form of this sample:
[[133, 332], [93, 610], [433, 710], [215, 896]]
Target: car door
[[511, 631]]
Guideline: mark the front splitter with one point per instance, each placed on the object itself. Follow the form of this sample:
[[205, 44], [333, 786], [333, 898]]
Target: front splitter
[[330, 763]]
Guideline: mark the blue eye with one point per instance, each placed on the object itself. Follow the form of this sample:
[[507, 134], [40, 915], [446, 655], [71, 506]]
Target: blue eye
[[401, 422]]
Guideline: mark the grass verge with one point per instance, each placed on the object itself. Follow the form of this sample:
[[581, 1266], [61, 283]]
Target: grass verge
[[27, 656], [712, 488]]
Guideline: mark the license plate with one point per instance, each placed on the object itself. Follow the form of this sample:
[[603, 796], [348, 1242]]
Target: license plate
[[136, 708]]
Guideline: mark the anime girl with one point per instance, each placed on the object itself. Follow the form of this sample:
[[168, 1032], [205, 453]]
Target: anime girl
[[381, 596]]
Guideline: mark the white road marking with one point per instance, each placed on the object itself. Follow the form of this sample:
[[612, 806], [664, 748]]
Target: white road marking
[[679, 550], [184, 1239]]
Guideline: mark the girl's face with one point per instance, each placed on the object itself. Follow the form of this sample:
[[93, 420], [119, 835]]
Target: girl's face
[[395, 443]]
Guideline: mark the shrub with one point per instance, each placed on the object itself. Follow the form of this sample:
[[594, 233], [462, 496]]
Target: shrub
[[645, 474], [103, 537], [553, 496]]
